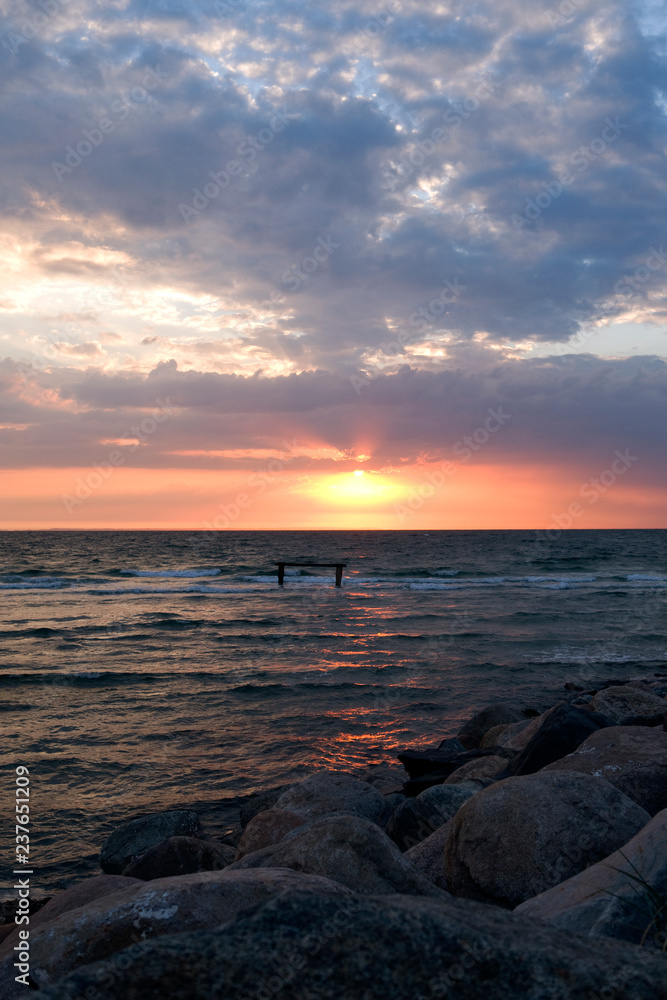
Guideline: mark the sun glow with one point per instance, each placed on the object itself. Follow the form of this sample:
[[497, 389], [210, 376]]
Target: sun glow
[[358, 487]]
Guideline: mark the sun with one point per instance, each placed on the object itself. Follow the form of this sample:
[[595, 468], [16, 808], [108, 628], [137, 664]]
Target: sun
[[360, 487]]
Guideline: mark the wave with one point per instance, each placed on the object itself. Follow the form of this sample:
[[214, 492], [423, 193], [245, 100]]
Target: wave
[[187, 573]]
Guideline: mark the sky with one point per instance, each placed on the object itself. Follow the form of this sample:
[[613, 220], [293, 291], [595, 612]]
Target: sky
[[333, 265]]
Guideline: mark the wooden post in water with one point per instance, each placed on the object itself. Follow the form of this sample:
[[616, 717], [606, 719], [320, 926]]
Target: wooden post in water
[[339, 570]]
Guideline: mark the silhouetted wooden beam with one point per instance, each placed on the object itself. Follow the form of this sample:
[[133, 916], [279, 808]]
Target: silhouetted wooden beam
[[339, 569]]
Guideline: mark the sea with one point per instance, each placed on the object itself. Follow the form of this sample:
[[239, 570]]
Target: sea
[[150, 670]]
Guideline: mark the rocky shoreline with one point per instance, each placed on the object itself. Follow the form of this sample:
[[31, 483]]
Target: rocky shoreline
[[524, 858]]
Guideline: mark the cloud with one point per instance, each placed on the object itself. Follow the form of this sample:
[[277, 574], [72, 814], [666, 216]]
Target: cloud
[[572, 411], [486, 178]]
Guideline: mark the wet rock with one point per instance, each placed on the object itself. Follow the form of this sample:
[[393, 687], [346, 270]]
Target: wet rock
[[472, 733], [181, 856], [148, 910], [348, 849], [133, 839], [525, 834], [630, 705], [562, 730], [307, 947], [633, 758], [617, 897], [6, 930], [84, 892], [267, 828], [327, 793]]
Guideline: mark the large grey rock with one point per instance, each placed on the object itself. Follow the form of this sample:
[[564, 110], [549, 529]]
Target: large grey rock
[[472, 733], [300, 947], [499, 736], [428, 857], [347, 849], [485, 767], [562, 730], [406, 827], [440, 803], [326, 793], [523, 835], [260, 801], [633, 758], [265, 829], [133, 839], [181, 856], [84, 892], [630, 705], [615, 897], [415, 819], [164, 906]]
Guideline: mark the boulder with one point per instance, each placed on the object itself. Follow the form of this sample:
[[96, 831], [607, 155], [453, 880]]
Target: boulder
[[309, 947], [630, 705], [485, 767], [84, 892], [617, 897], [428, 857], [440, 803], [347, 849], [406, 827], [562, 730], [524, 835], [518, 741], [472, 733], [415, 819], [181, 856], [431, 767], [260, 801], [267, 828], [633, 758], [147, 910], [499, 736], [6, 930], [327, 793], [133, 839]]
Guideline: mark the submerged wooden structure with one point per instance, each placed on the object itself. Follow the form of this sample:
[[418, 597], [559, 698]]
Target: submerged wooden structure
[[338, 566]]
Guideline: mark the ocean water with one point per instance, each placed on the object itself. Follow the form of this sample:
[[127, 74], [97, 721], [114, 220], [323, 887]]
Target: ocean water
[[142, 671]]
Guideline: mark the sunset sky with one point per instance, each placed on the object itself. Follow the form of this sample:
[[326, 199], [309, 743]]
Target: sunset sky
[[337, 265]]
